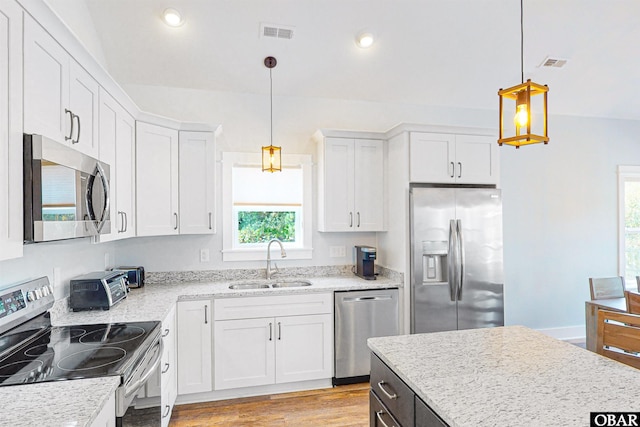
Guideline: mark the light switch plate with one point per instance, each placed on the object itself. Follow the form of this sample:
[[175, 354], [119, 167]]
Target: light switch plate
[[204, 255], [337, 251]]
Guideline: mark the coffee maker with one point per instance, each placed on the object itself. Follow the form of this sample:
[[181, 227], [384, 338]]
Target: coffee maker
[[365, 255]]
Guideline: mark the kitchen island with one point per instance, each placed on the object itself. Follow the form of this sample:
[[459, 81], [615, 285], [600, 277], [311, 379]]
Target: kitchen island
[[507, 376]]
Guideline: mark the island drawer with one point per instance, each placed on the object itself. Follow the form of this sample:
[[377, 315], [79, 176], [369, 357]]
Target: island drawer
[[392, 392], [379, 416], [425, 417]]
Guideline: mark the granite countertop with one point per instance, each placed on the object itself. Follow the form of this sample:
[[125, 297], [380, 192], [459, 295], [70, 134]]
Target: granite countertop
[[508, 376], [153, 301], [74, 403], [78, 402]]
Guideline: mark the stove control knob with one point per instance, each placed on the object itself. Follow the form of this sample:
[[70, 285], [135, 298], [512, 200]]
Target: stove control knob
[[45, 290], [31, 296], [38, 293]]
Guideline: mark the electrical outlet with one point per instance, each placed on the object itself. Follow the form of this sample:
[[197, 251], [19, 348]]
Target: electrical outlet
[[337, 251], [204, 255], [107, 261]]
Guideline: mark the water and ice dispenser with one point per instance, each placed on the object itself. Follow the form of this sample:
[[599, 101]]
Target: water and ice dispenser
[[434, 261]]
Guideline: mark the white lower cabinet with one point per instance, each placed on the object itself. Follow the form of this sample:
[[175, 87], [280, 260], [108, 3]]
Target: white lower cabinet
[[194, 346], [107, 415], [253, 347]]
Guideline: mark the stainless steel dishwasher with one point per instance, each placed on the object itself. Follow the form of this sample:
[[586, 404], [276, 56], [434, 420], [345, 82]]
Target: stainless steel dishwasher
[[360, 315]]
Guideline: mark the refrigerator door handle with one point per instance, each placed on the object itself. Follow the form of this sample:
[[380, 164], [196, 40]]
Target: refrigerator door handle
[[451, 264], [460, 259]]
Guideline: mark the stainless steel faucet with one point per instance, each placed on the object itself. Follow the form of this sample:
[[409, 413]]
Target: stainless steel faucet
[[283, 254]]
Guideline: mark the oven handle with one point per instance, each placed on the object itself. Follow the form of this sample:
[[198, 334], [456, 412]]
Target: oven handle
[[130, 389]]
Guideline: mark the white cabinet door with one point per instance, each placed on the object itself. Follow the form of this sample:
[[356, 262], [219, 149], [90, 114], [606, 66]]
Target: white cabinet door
[[197, 182], [117, 148], [11, 230], [156, 180], [477, 159], [244, 353], [107, 415], [126, 174], [432, 157], [194, 340], [304, 348], [369, 185], [46, 84], [83, 103], [336, 206]]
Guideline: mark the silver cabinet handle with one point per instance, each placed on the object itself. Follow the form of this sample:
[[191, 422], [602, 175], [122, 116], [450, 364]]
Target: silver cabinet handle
[[206, 308], [70, 137], [120, 229], [350, 219], [166, 368], [176, 218], [167, 411], [389, 395], [78, 137], [165, 333], [126, 222], [270, 331], [459, 170], [279, 331], [379, 417], [210, 221], [358, 214], [453, 169]]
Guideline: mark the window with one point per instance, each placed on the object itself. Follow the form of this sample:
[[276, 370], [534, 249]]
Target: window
[[629, 222], [260, 206]]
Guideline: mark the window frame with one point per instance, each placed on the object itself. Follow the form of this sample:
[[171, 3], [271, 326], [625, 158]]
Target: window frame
[[625, 174], [259, 253]]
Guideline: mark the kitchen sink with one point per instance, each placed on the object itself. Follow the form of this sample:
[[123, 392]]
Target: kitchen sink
[[292, 284], [283, 284], [248, 286]]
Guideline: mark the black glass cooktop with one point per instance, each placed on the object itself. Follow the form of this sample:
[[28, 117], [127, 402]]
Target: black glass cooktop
[[74, 352]]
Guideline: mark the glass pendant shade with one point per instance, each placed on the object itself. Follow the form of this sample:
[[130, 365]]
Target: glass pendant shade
[[271, 159], [528, 128]]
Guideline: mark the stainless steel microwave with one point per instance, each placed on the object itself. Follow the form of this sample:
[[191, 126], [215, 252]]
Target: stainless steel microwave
[[66, 193]]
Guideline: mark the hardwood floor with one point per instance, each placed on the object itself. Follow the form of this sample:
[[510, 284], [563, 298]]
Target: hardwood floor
[[342, 406]]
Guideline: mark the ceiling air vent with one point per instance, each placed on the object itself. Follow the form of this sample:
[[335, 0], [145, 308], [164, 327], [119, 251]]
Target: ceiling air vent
[[550, 62], [276, 31]]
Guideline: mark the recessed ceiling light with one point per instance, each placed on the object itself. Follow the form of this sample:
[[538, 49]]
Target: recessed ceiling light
[[364, 39], [172, 17]]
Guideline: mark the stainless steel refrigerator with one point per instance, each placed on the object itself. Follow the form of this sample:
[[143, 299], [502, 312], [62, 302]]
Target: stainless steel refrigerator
[[456, 258]]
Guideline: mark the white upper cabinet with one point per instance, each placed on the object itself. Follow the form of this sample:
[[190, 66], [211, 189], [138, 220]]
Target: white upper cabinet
[[451, 158], [175, 181], [351, 184], [11, 230], [60, 97], [197, 183], [117, 149], [156, 180]]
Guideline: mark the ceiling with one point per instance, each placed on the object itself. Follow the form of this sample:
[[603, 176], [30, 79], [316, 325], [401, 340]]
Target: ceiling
[[433, 52]]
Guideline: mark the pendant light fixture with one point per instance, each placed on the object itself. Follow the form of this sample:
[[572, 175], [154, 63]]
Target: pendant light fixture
[[271, 155], [522, 94]]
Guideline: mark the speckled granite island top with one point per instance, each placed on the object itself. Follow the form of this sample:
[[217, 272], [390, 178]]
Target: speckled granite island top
[[508, 376]]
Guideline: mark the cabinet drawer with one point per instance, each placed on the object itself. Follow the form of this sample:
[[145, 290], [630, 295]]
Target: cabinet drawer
[[272, 306], [392, 392], [425, 417], [379, 416]]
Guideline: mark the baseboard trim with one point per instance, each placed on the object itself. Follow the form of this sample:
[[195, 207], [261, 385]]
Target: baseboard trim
[[566, 333]]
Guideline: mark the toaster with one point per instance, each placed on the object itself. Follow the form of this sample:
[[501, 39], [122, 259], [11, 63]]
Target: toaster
[[135, 275], [97, 290]]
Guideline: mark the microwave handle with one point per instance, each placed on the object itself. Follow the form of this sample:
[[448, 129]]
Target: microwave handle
[[98, 171]]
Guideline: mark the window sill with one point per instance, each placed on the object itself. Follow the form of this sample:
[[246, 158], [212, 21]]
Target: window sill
[[261, 254]]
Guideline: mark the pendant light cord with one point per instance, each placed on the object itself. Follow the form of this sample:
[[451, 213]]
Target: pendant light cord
[[271, 97], [521, 42]]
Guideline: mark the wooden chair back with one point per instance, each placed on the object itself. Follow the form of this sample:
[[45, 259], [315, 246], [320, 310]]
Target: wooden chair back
[[618, 337], [606, 287], [633, 301]]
